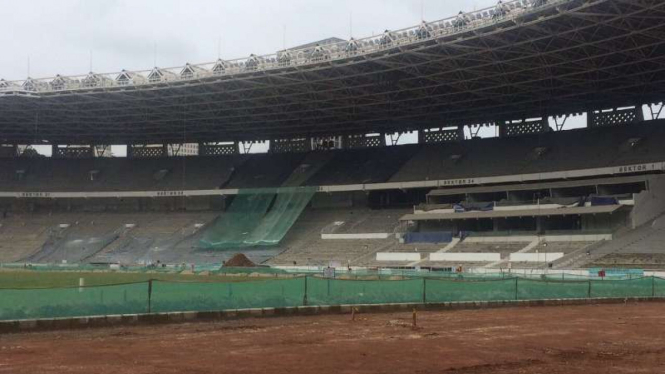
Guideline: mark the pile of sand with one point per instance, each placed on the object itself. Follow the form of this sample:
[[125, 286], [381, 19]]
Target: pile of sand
[[239, 261]]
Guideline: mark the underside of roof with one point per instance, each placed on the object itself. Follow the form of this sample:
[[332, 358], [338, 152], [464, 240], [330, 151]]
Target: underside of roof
[[567, 57]]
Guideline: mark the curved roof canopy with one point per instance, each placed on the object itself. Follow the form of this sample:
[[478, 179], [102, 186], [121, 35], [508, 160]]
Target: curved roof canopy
[[564, 56]]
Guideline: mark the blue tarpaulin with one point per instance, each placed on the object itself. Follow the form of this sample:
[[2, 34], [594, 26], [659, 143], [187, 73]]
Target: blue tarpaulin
[[469, 207], [428, 237], [602, 200]]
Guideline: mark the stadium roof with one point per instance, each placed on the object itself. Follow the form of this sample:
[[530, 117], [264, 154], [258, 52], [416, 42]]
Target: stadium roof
[[566, 56]]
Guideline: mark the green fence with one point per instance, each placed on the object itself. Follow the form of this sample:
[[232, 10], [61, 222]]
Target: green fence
[[158, 296]]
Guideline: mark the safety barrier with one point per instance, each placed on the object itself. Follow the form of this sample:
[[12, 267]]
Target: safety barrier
[[160, 297]]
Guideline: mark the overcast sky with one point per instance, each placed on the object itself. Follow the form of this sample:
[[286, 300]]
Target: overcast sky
[[58, 35]]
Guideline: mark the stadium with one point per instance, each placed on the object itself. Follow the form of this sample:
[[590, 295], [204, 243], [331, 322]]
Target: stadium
[[532, 175]]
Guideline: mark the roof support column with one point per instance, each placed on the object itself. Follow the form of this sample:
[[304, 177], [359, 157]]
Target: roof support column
[[503, 130], [590, 118]]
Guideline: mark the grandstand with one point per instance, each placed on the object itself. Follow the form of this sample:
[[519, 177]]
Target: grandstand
[[332, 190]]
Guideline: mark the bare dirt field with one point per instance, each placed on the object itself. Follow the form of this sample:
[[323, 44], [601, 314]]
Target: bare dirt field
[[577, 339]]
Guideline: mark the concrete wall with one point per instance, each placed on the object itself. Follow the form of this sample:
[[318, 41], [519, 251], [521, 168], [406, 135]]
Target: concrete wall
[[501, 239], [164, 204], [465, 257], [649, 204], [605, 222], [535, 257], [395, 256], [339, 199], [355, 236], [577, 238]]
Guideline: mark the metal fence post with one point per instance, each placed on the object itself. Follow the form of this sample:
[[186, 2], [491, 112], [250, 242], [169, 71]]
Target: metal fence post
[[516, 288], [304, 298], [149, 296], [653, 286], [589, 290], [424, 290]]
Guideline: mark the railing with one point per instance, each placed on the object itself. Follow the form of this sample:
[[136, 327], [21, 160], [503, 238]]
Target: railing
[[506, 233], [282, 59]]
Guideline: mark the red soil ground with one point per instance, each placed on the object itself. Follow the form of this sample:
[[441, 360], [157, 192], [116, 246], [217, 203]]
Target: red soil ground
[[577, 339]]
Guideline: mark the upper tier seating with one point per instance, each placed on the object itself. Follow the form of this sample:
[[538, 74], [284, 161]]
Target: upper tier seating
[[552, 151], [566, 150], [373, 165], [115, 174]]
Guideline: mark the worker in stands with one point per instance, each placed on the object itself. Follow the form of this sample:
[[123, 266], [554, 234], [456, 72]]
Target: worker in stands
[[423, 31], [500, 10], [461, 20], [387, 38], [319, 53], [253, 62], [352, 46], [284, 58]]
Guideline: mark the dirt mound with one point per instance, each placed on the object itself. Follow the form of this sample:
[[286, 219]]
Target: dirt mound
[[239, 261]]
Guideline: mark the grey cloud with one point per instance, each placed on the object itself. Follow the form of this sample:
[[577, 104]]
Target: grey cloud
[[59, 34]]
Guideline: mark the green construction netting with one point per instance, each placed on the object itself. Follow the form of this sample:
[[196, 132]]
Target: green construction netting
[[336, 292], [237, 222], [283, 214], [251, 220], [551, 289], [658, 287], [642, 287], [173, 296], [179, 297], [71, 302], [439, 290]]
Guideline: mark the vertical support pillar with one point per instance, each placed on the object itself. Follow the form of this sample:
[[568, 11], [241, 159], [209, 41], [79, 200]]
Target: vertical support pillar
[[165, 150], [460, 133], [589, 118], [539, 224], [54, 150], [502, 128], [517, 297], [149, 296], [639, 113], [424, 290]]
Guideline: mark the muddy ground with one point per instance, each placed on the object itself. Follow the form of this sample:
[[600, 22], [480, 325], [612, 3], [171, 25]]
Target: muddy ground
[[573, 339]]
